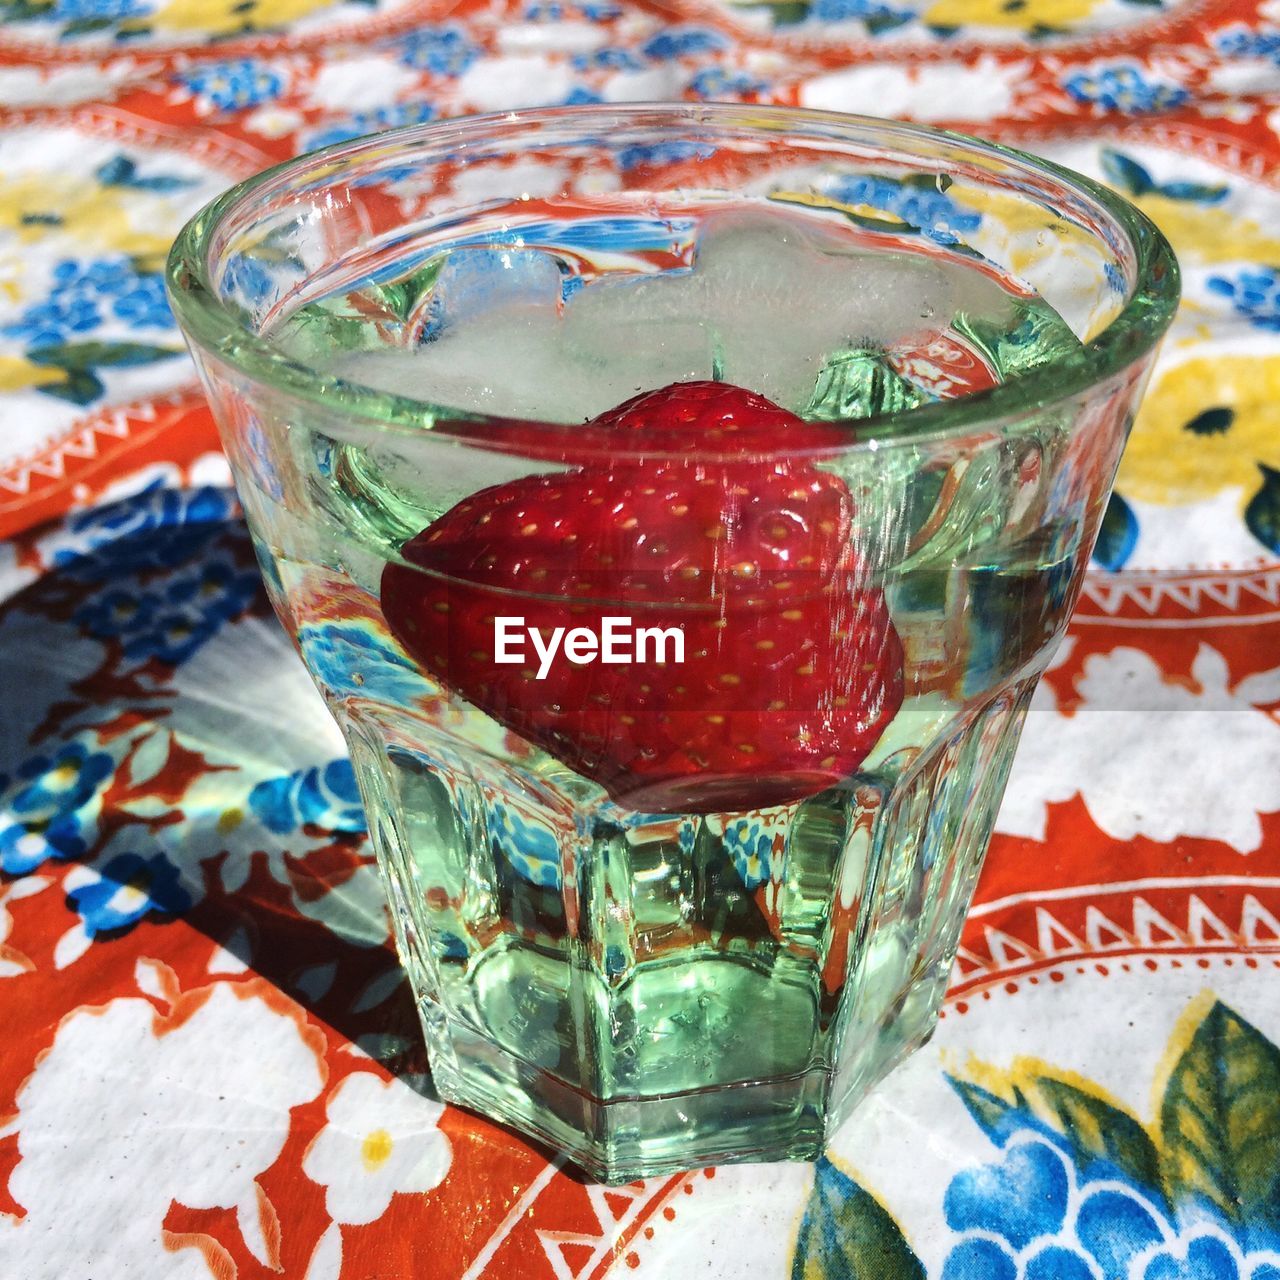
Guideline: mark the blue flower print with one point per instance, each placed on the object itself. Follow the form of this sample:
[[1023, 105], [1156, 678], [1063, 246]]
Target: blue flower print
[[43, 815], [127, 888], [172, 619], [109, 538], [1020, 1199], [1022, 1218], [563, 11], [247, 280], [1207, 1256], [656, 153], [687, 836], [878, 16], [84, 293], [322, 797], [1056, 1263], [1238, 41], [231, 86], [1123, 87], [1255, 295], [143, 305], [173, 622], [1082, 1188], [608, 58], [352, 659], [89, 10], [642, 828], [173, 636], [444, 51], [103, 277], [1091, 1202], [136, 553], [60, 783], [980, 1260], [25, 847], [934, 212], [1114, 1224], [55, 320], [719, 83], [681, 43], [356, 126], [116, 613], [529, 846], [750, 844], [217, 589]]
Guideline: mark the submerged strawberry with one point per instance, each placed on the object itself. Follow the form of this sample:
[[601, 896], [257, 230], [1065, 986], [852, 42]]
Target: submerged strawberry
[[791, 667], [713, 417]]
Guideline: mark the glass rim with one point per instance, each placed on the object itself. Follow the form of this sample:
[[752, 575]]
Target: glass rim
[[1132, 334]]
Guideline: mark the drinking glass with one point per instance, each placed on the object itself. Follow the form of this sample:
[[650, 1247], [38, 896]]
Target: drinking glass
[[682, 886]]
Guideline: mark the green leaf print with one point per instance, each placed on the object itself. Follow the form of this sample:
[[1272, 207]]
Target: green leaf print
[[880, 22], [26, 10], [888, 225], [1097, 1130], [1196, 191], [120, 171], [1117, 535], [1126, 173], [1262, 515], [82, 26], [996, 1117], [1220, 1122], [80, 360], [79, 387], [97, 355], [785, 13], [848, 1235]]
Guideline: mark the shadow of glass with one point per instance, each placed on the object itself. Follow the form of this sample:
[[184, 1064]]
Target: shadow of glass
[[165, 758]]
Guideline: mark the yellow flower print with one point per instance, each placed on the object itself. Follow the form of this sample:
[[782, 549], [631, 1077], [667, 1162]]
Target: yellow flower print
[[93, 215], [1026, 238], [17, 374], [1208, 235], [225, 17], [1022, 15], [1205, 427]]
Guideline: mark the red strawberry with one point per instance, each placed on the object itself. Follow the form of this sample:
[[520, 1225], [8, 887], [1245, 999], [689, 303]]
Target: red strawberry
[[791, 668], [714, 417]]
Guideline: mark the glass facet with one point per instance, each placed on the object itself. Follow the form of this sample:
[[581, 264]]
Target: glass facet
[[662, 912]]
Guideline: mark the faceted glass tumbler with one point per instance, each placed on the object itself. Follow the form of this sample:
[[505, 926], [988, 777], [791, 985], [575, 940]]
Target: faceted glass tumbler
[[661, 915]]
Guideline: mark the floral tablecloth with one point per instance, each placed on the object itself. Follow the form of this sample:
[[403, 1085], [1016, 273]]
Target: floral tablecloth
[[209, 1061]]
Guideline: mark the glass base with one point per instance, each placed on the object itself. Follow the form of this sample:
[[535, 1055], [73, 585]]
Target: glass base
[[654, 993], [626, 1139]]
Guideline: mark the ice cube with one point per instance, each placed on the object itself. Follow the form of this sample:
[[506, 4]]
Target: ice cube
[[490, 338], [774, 294], [786, 292], [476, 284], [504, 368], [631, 333]]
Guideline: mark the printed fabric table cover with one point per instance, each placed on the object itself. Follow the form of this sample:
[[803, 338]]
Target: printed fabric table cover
[[210, 1063]]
